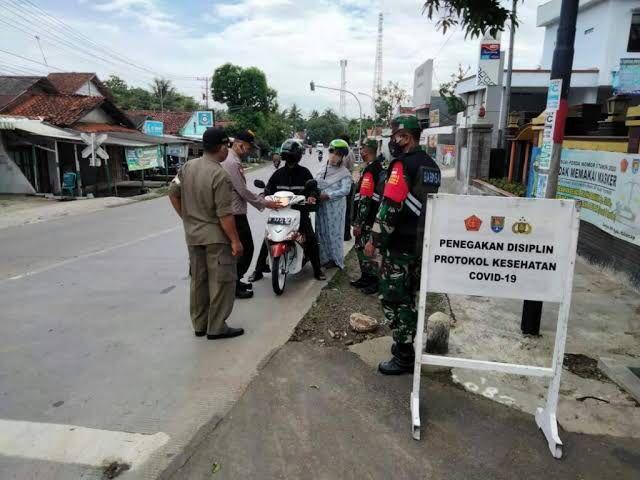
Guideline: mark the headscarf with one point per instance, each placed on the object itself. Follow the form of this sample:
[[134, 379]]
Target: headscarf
[[328, 174]]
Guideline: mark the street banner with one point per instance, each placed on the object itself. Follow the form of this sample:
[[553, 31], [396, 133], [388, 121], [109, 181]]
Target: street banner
[[489, 62], [543, 160], [517, 248], [422, 81], [142, 158], [447, 155], [434, 118], [607, 184], [180, 150]]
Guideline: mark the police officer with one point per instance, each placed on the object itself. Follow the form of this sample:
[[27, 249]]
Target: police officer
[[365, 207], [242, 146], [398, 233], [293, 178], [201, 195]]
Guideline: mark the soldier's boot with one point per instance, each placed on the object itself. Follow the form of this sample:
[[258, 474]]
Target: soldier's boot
[[361, 282], [372, 287], [401, 362]]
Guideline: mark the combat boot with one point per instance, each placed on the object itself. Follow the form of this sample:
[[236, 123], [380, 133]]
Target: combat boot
[[401, 362], [361, 282], [371, 287]]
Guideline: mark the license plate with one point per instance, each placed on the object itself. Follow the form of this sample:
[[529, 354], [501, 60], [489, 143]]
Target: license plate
[[279, 221]]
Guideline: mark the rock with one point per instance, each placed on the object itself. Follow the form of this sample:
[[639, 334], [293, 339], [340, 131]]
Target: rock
[[362, 323], [348, 342], [438, 327]]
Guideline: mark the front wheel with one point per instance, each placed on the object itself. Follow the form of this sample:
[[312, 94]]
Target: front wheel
[[279, 274]]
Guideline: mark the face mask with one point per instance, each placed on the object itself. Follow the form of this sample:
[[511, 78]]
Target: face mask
[[395, 149]]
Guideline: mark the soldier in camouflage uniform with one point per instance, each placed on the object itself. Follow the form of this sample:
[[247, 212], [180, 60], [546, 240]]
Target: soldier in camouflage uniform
[[397, 235], [365, 208]]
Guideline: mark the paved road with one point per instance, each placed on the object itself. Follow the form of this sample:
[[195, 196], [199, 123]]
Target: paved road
[[98, 362]]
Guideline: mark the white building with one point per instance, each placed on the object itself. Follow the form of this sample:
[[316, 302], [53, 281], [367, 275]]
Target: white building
[[606, 31]]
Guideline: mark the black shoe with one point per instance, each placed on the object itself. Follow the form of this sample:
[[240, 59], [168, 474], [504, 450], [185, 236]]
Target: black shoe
[[230, 333], [361, 282], [401, 362], [240, 285], [320, 276], [370, 289], [244, 294], [200, 334]]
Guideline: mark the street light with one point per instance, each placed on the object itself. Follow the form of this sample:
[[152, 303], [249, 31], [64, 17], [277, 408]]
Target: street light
[[373, 104], [313, 86]]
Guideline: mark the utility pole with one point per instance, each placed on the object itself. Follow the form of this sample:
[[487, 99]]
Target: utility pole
[[343, 86], [506, 98], [206, 89], [41, 51], [547, 166]]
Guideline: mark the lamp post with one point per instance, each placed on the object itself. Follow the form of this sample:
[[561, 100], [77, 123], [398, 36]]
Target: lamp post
[[373, 104], [313, 86]]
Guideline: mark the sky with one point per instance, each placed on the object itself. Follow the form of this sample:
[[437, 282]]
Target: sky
[[292, 41]]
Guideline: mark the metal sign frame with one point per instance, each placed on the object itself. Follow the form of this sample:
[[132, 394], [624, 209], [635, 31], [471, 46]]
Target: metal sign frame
[[545, 416]]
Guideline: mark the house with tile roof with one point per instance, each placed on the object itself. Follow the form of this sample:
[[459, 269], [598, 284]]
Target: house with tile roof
[[15, 89], [77, 83]]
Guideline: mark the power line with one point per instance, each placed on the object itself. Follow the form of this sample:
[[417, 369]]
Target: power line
[[30, 60]]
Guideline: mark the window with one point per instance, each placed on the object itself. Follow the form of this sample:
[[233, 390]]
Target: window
[[634, 34]]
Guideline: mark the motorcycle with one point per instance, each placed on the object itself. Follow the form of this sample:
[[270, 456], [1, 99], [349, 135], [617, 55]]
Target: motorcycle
[[283, 236], [320, 155]]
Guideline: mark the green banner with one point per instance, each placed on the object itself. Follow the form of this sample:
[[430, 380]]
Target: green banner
[[143, 158]]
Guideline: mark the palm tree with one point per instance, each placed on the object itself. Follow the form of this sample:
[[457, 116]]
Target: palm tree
[[162, 89]]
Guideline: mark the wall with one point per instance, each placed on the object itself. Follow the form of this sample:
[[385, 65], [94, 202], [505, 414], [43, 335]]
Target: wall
[[96, 116], [89, 89], [12, 180]]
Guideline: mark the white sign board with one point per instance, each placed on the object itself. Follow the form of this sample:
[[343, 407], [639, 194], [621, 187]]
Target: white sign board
[[522, 248], [489, 62], [422, 81]]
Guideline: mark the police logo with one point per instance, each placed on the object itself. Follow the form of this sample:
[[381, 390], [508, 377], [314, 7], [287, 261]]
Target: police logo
[[497, 224], [522, 227]]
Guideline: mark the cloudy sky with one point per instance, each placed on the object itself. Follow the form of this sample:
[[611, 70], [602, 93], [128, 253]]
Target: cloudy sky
[[292, 41]]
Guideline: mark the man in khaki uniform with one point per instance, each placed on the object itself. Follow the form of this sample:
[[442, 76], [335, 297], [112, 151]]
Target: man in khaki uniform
[[201, 194]]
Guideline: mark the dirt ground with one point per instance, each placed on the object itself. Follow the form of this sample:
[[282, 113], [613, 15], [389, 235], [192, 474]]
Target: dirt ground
[[327, 323]]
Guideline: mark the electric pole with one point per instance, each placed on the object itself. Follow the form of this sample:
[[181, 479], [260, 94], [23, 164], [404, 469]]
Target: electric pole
[[506, 99], [547, 166], [205, 95]]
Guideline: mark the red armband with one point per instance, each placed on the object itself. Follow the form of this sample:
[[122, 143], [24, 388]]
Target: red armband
[[396, 188], [367, 187]]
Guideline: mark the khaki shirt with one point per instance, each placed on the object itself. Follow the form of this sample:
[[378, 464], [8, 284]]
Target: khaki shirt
[[241, 193], [205, 190]]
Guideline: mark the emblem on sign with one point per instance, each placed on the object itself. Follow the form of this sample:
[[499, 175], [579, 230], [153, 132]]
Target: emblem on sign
[[472, 223], [522, 227], [624, 164], [635, 166], [497, 224]]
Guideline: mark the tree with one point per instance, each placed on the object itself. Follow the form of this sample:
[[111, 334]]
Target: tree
[[475, 17], [135, 98], [326, 127], [388, 100], [243, 88], [295, 119], [447, 91]]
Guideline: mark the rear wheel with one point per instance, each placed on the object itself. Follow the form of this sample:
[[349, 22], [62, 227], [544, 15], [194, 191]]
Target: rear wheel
[[279, 274]]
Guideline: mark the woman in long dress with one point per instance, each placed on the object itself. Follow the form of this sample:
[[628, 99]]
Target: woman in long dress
[[334, 182]]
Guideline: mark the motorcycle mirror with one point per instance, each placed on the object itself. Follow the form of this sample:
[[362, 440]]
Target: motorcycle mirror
[[259, 184], [311, 185]]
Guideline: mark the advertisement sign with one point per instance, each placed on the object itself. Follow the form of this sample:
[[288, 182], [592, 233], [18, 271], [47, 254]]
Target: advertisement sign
[[489, 62], [205, 119], [153, 128], [422, 79], [142, 158], [448, 153], [498, 247], [434, 118], [608, 186], [180, 150], [543, 160], [628, 78]]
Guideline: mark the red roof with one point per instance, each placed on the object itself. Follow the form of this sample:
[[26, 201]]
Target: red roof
[[407, 110], [69, 82], [173, 121], [60, 110], [101, 127]]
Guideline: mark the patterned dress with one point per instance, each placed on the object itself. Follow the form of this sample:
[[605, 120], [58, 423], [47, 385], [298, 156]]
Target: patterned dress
[[330, 220]]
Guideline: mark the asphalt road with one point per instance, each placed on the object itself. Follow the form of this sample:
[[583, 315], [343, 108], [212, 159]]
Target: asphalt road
[[98, 362]]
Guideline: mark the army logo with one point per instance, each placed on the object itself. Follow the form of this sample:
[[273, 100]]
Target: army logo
[[472, 223], [497, 224], [522, 227], [635, 166]]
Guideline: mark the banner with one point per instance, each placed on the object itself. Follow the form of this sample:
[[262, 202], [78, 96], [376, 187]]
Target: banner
[[179, 150], [628, 77], [153, 128], [142, 158], [489, 62], [447, 155], [608, 186]]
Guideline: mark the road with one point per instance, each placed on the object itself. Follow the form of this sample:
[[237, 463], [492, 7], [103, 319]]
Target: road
[[98, 362]]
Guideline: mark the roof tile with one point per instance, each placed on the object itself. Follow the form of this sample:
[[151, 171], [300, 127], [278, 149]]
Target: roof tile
[[60, 110]]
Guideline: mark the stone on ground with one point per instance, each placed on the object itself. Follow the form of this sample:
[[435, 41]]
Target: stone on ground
[[438, 327], [362, 323]]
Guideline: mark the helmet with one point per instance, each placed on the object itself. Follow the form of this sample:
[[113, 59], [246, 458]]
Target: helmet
[[404, 122], [291, 150], [339, 146]]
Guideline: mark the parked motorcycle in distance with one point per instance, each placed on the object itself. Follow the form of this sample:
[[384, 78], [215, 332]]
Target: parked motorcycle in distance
[[283, 237]]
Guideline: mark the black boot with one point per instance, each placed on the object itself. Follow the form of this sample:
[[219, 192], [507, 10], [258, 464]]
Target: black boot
[[401, 362], [371, 287], [361, 282]]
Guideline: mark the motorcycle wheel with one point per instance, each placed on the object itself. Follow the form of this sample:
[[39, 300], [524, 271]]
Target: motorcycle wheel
[[278, 275]]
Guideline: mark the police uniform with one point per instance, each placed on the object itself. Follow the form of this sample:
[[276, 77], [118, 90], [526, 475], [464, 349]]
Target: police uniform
[[398, 234], [206, 195]]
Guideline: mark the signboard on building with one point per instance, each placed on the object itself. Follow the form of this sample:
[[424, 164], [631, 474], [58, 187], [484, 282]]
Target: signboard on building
[[628, 77], [180, 150], [608, 186], [489, 62], [434, 118], [142, 158], [422, 81], [205, 119], [447, 154], [153, 128]]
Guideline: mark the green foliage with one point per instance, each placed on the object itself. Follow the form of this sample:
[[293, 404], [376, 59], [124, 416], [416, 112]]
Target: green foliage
[[447, 91], [161, 95], [515, 188], [243, 88], [353, 127], [388, 99], [325, 127], [475, 17]]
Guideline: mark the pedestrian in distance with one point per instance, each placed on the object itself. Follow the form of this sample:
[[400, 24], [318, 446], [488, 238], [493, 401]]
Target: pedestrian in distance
[[365, 207], [201, 194], [397, 235], [334, 182], [241, 148]]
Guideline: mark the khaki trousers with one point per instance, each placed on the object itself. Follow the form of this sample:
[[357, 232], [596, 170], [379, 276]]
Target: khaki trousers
[[213, 286]]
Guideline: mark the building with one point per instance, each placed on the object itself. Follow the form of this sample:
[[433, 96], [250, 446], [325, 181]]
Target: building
[[75, 83], [14, 90]]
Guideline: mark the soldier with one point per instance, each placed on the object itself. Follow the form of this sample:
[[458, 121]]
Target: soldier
[[365, 207], [201, 194], [397, 234]]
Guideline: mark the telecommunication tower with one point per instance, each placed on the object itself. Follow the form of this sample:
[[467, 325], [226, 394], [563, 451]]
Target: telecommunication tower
[[377, 71], [343, 86]]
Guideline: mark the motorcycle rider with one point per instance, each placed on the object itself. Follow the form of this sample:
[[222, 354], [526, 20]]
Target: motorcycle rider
[[293, 177], [365, 207], [398, 233]]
